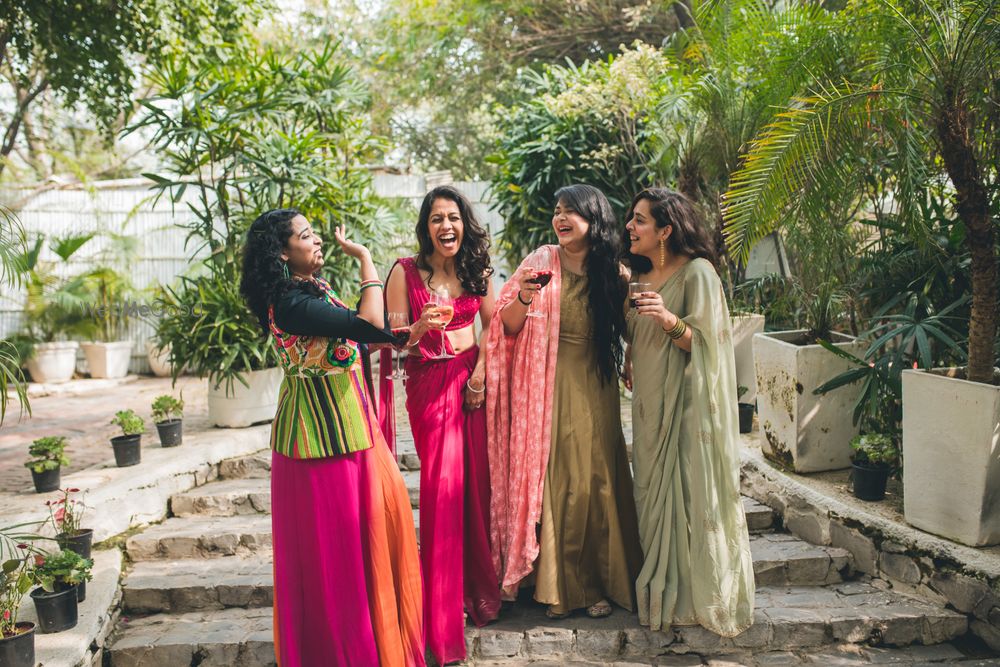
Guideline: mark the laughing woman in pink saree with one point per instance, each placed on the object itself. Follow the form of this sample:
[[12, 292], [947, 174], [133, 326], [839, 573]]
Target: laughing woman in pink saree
[[444, 398]]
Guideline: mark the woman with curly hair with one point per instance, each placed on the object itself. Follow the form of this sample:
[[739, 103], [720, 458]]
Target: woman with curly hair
[[444, 399], [347, 585], [562, 490], [698, 569]]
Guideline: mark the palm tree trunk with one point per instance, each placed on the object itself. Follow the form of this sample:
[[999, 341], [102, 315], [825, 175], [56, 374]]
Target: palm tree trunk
[[954, 137]]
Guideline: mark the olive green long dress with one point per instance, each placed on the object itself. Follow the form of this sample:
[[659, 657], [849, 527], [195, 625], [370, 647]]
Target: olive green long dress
[[697, 567], [589, 545]]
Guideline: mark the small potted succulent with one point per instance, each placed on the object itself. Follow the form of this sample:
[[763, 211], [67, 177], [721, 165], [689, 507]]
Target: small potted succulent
[[874, 454], [17, 640], [60, 576], [47, 458], [127, 445], [746, 410], [66, 515], [168, 413]]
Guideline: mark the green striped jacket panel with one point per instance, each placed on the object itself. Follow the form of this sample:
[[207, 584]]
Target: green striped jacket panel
[[323, 416]]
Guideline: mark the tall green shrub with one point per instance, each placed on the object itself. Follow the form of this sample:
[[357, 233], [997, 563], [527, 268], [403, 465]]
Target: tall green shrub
[[586, 124], [255, 130]]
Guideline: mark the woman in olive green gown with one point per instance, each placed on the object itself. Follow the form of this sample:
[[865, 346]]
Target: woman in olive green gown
[[562, 506], [697, 567]]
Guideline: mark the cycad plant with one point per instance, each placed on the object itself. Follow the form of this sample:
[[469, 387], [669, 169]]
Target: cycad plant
[[11, 268], [925, 106]]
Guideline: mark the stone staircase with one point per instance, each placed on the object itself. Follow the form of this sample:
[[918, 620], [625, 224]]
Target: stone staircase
[[199, 592]]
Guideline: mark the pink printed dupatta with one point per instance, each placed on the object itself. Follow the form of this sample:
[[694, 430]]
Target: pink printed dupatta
[[520, 378]]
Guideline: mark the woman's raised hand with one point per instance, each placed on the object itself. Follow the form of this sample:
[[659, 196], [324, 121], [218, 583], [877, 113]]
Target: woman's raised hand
[[650, 304], [430, 318], [523, 276], [350, 248]]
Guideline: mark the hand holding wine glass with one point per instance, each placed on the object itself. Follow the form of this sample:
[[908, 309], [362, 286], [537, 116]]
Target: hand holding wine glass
[[540, 275], [400, 324], [443, 310]]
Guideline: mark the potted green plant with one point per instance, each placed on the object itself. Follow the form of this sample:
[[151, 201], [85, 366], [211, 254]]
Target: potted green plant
[[208, 328], [109, 290], [745, 410], [804, 430], [874, 454], [66, 517], [54, 308], [61, 577], [17, 639], [47, 458], [168, 415], [127, 445]]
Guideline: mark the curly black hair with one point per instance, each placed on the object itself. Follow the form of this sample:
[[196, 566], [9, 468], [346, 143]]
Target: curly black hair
[[472, 263], [263, 281], [689, 237], [605, 283]]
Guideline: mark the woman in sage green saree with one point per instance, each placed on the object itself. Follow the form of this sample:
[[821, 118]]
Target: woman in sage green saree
[[697, 567]]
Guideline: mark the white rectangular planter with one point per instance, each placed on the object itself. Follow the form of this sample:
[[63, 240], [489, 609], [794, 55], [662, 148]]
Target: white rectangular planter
[[246, 406], [951, 457], [805, 431], [745, 325], [52, 363], [108, 360]]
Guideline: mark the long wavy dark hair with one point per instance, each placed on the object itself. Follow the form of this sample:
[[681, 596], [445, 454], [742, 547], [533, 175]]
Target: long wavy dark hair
[[605, 284], [263, 281], [689, 237], [472, 263]]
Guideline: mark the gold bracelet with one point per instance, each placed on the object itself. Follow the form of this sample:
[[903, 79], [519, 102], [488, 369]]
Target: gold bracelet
[[678, 329]]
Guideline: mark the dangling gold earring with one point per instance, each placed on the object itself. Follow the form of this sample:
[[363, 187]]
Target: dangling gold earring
[[663, 253]]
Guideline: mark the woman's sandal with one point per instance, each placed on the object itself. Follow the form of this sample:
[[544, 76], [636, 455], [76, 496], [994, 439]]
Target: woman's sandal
[[554, 615], [599, 610]]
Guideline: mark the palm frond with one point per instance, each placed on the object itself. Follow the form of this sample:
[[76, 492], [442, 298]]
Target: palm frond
[[813, 139]]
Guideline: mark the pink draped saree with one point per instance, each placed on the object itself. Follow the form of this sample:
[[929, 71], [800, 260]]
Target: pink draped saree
[[454, 481], [520, 377]]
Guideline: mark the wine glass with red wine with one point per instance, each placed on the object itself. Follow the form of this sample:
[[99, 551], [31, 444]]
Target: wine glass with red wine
[[543, 275], [400, 324], [635, 291]]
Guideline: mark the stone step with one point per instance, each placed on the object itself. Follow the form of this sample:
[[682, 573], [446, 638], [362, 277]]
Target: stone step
[[780, 559], [228, 497], [201, 537], [760, 517], [789, 619], [255, 466], [252, 495], [177, 586], [258, 465], [193, 584]]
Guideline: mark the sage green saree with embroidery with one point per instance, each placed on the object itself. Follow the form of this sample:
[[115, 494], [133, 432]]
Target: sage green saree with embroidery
[[697, 567]]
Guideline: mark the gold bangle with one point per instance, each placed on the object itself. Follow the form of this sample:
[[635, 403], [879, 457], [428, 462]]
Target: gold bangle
[[678, 329]]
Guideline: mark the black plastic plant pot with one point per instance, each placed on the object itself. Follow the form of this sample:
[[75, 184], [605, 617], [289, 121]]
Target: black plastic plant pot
[[80, 542], [56, 611], [127, 451], [869, 481], [45, 481], [746, 416], [171, 432], [81, 590], [18, 650]]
